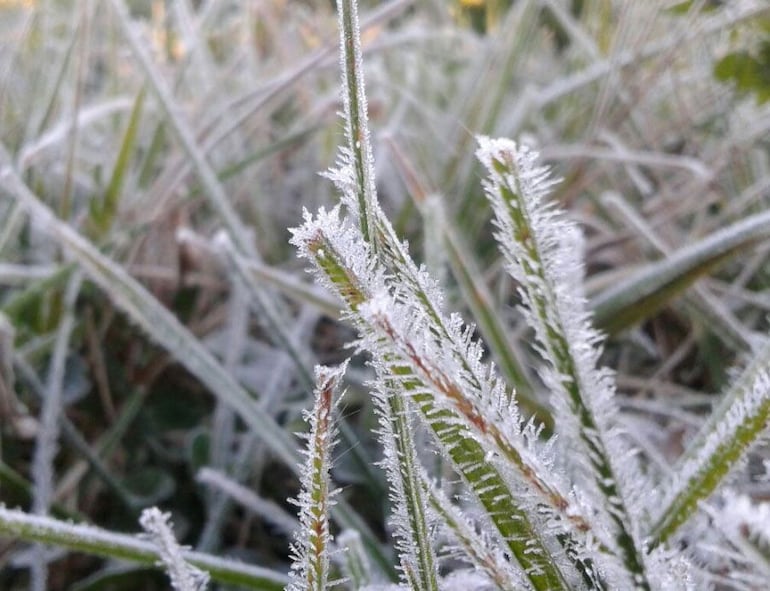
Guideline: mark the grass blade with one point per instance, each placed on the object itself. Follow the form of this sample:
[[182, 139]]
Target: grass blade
[[652, 287], [93, 540]]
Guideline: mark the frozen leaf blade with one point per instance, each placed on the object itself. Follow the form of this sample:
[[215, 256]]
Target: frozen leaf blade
[[736, 426]]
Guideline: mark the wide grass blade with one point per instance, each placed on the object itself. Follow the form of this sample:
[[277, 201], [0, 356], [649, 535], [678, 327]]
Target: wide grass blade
[[654, 286]]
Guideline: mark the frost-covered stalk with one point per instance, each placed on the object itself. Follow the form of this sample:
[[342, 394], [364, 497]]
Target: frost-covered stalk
[[734, 427], [356, 116], [543, 253], [88, 539], [346, 265], [183, 576], [312, 544]]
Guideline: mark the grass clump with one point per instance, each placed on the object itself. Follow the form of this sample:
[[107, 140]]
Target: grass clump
[[512, 457]]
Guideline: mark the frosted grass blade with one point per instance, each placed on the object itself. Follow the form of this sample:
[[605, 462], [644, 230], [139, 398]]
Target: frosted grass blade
[[93, 540], [653, 286], [311, 547], [543, 253]]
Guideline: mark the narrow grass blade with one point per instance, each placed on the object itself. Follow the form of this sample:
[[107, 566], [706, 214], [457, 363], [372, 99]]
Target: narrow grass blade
[[93, 540], [655, 285], [356, 116], [102, 213], [410, 510]]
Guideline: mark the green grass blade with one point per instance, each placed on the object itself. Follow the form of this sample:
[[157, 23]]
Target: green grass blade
[[655, 285], [736, 425], [103, 213]]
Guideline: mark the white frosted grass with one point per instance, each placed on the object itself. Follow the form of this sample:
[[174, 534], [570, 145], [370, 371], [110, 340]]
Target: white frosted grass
[[543, 252], [143, 309], [47, 444], [361, 197], [183, 576], [269, 511], [158, 323]]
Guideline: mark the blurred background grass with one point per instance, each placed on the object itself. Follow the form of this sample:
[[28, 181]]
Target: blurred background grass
[[149, 127]]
